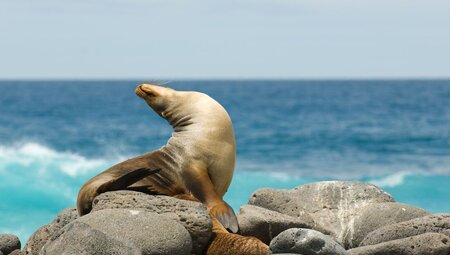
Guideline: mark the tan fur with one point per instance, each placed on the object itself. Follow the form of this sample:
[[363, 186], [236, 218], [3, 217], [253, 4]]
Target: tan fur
[[224, 243], [197, 160]]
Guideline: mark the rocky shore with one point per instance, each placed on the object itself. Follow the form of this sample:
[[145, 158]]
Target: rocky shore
[[334, 217]]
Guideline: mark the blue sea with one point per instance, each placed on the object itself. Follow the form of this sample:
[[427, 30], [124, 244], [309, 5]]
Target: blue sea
[[55, 135]]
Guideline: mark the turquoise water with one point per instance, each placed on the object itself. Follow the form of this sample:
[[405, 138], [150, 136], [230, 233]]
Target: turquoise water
[[396, 134]]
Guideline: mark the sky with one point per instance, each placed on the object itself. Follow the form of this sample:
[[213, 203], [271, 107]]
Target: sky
[[234, 39]]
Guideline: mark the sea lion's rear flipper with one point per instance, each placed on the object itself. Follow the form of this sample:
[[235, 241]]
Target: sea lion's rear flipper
[[126, 180], [105, 182]]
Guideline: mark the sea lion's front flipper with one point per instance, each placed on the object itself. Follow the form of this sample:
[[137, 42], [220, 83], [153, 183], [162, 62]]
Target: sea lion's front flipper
[[126, 180], [199, 184], [225, 214]]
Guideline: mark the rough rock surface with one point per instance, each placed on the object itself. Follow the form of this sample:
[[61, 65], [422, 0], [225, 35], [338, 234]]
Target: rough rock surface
[[305, 241], [265, 224], [17, 252], [435, 223], [374, 216], [192, 215], [428, 243], [9, 243], [150, 232], [43, 234], [332, 204], [80, 238]]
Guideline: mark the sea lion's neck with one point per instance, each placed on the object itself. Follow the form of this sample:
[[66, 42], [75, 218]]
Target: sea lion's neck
[[179, 122]]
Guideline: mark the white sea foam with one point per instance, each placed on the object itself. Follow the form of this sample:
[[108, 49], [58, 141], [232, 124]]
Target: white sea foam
[[42, 159], [392, 180]]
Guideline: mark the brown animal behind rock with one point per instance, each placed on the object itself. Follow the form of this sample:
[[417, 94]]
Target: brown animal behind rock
[[224, 243]]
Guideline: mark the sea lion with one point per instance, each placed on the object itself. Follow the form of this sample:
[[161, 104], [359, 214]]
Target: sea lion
[[198, 160]]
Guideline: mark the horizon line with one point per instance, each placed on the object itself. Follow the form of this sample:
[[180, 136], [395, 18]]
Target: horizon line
[[235, 79]]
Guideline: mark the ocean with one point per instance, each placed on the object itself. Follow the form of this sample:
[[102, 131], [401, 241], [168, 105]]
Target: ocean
[[55, 135]]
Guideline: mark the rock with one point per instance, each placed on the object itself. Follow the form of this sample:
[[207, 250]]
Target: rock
[[39, 238], [17, 252], [152, 233], [305, 241], [192, 215], [331, 204], [65, 216], [265, 224], [43, 234], [428, 243], [435, 223], [374, 216], [9, 243], [80, 238]]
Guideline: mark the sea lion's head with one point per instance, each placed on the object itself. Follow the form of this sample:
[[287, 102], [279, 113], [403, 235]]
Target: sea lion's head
[[179, 108], [157, 97]]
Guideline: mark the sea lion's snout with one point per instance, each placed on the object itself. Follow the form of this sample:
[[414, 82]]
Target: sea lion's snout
[[139, 91], [145, 90]]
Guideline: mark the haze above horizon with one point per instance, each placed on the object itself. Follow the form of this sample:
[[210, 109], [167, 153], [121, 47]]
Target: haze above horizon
[[265, 39]]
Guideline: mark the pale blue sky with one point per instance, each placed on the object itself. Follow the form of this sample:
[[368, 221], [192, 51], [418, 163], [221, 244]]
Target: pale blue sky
[[206, 39]]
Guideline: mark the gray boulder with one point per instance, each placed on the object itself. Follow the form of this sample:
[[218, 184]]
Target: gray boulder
[[43, 234], [192, 215], [152, 233], [305, 241], [429, 243], [80, 238], [374, 216], [9, 243], [265, 224], [332, 204], [435, 223]]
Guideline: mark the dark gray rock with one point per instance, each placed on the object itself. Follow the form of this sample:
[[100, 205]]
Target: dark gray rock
[[435, 223], [305, 241], [80, 238], [265, 224], [9, 243], [332, 204], [43, 234], [374, 216], [152, 233], [428, 243], [192, 215]]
